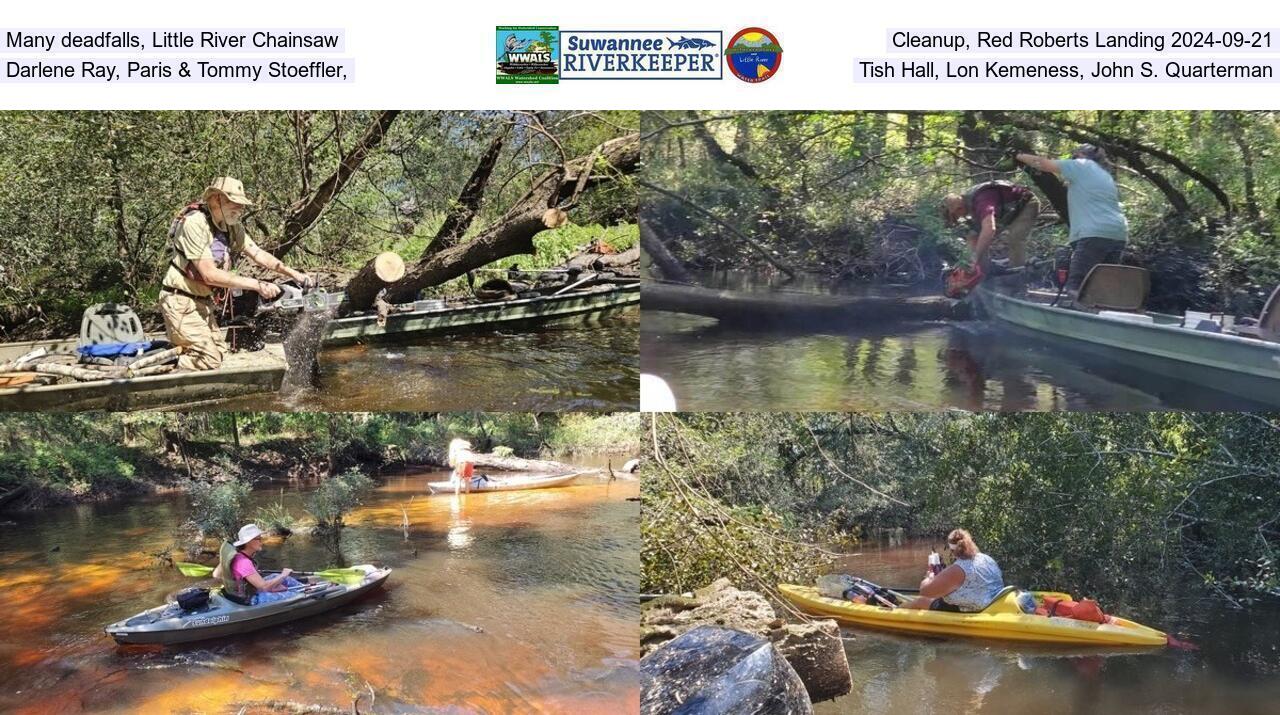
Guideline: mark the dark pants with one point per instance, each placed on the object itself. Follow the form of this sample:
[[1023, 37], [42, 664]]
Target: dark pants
[[1087, 253]]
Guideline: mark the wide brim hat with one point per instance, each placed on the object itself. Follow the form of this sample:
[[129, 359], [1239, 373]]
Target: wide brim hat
[[230, 188], [248, 533]]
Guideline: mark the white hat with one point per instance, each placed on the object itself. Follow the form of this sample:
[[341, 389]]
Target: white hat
[[248, 533]]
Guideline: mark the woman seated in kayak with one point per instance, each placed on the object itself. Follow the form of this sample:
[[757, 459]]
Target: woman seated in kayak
[[241, 581], [969, 584]]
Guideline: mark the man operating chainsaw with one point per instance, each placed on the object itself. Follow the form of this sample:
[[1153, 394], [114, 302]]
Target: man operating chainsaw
[[206, 236], [995, 208]]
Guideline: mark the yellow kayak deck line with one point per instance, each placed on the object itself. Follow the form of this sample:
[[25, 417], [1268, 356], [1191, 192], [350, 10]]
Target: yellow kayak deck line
[[1002, 620]]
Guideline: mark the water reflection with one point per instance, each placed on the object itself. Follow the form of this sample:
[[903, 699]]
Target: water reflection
[[563, 368], [530, 595], [1236, 670], [920, 366]]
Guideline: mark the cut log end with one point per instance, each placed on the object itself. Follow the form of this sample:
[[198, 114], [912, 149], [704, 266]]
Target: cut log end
[[554, 218], [389, 267]]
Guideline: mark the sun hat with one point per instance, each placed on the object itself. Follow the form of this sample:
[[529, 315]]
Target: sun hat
[[230, 188], [248, 533]]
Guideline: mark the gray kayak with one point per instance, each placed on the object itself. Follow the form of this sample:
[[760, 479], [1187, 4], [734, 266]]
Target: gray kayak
[[169, 624]]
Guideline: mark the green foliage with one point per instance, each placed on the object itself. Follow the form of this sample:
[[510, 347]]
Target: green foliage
[[217, 508], [1124, 506], [578, 432], [337, 496], [69, 457], [275, 519], [823, 190], [88, 196]]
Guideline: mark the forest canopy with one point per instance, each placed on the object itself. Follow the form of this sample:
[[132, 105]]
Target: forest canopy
[[1126, 505], [88, 196], [854, 195]]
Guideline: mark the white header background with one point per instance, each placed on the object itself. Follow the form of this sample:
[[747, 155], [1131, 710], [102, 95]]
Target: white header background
[[441, 56]]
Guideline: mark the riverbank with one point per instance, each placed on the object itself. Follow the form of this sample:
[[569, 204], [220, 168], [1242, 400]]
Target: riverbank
[[60, 459], [529, 595]]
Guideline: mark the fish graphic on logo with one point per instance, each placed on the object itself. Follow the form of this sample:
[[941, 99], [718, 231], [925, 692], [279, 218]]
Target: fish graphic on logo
[[686, 43], [753, 55]]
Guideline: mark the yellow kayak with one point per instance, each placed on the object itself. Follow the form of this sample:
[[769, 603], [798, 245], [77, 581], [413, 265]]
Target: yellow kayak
[[1002, 620]]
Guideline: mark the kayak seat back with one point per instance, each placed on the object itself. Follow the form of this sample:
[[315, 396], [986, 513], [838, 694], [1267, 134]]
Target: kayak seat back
[[1006, 601], [110, 323], [1110, 286]]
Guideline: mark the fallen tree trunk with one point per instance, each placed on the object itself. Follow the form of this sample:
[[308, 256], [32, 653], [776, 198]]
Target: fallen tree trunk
[[527, 217], [668, 265], [385, 268], [516, 464], [795, 309], [78, 373], [611, 260]]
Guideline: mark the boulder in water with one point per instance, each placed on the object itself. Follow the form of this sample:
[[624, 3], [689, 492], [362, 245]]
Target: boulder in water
[[714, 671]]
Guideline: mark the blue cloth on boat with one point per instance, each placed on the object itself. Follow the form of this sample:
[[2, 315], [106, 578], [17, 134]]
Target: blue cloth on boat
[[109, 350], [290, 582]]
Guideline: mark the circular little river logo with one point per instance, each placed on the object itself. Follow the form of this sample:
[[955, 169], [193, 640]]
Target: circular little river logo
[[753, 54]]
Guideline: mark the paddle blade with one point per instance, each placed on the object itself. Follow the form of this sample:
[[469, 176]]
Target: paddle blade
[[194, 570], [343, 576]]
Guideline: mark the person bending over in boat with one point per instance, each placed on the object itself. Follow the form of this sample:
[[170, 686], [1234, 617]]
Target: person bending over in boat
[[241, 581], [206, 236], [1099, 229], [995, 208], [463, 463], [969, 584]]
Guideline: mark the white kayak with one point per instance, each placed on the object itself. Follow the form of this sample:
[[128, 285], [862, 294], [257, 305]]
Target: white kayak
[[483, 483]]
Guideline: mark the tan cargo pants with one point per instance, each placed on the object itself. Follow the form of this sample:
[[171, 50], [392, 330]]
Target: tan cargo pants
[[192, 324]]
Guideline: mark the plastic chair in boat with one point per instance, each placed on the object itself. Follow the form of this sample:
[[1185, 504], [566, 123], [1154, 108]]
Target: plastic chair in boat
[[1111, 286], [110, 323], [1268, 325]]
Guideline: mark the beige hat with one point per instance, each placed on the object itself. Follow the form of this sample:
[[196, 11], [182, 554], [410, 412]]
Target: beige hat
[[248, 532], [230, 188]]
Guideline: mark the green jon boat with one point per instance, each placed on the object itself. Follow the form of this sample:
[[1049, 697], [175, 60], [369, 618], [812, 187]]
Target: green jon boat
[[576, 305], [1242, 366], [242, 373]]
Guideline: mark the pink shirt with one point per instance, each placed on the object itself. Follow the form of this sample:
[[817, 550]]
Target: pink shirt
[[241, 567]]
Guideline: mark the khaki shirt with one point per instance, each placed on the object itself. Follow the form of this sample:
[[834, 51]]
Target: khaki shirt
[[193, 241]]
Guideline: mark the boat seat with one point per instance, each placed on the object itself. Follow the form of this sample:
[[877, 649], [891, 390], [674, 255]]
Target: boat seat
[[110, 323], [1110, 286], [1268, 325], [1000, 595]]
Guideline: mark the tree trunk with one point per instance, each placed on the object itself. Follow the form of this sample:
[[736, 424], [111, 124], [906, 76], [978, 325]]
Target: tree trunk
[[791, 309], [516, 464], [386, 268], [468, 204], [525, 219], [668, 265], [301, 219]]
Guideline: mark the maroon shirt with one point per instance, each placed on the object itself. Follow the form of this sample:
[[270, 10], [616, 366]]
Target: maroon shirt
[[990, 200]]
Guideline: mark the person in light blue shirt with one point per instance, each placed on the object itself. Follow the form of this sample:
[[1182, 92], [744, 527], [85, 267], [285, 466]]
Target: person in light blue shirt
[[1099, 230], [968, 585]]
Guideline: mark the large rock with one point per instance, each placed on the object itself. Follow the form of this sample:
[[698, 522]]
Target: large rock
[[816, 652], [719, 604], [715, 671]]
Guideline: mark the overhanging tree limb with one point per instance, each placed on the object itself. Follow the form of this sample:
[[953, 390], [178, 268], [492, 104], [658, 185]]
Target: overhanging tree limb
[[300, 219]]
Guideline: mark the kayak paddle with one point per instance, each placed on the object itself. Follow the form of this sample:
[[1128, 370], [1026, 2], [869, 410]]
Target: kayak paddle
[[335, 574]]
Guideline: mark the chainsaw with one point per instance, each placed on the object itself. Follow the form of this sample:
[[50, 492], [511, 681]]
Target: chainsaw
[[295, 299]]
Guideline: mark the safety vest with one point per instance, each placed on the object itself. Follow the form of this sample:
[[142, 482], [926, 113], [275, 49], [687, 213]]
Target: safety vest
[[1008, 209], [221, 247], [236, 589]]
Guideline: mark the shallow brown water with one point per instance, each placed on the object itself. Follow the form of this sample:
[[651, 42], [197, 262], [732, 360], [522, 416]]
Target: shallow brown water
[[1236, 669], [562, 368], [501, 602]]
